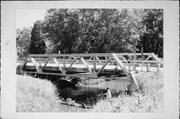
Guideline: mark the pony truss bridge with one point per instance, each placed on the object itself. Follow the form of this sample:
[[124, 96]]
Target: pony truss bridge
[[91, 64]]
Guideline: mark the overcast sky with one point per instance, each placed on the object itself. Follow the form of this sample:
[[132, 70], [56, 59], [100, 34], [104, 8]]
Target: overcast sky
[[27, 17]]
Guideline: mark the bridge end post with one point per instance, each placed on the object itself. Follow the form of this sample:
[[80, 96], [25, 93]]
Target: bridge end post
[[133, 81], [130, 74]]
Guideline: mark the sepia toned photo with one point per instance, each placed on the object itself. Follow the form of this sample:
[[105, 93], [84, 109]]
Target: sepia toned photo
[[89, 60]]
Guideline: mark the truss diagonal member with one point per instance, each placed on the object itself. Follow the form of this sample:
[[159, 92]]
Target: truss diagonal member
[[75, 59], [68, 59], [46, 64], [24, 63], [70, 65], [84, 62], [98, 59], [90, 59], [124, 59], [102, 68], [120, 64], [155, 57], [148, 58], [35, 64], [57, 63]]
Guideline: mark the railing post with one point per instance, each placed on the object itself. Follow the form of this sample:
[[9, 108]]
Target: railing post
[[148, 67], [94, 64], [142, 65], [134, 67], [158, 67], [64, 66]]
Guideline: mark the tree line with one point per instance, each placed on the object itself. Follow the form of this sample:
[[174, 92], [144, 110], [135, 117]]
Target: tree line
[[94, 31]]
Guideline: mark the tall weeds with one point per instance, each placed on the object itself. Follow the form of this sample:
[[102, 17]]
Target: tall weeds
[[35, 95], [148, 99]]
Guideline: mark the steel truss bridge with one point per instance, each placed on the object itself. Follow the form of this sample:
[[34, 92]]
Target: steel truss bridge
[[91, 64]]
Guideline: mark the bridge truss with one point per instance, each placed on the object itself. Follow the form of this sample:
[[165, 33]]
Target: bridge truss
[[91, 64]]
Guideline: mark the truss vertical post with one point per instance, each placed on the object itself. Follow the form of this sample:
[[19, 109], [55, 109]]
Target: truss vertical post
[[94, 64], [64, 66]]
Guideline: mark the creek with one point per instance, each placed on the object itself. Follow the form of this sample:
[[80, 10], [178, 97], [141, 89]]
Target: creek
[[89, 93]]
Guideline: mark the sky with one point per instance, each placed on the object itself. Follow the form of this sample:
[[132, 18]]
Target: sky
[[27, 17]]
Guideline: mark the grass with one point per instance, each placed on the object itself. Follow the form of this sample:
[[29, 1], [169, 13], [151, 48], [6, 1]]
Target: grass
[[148, 99], [35, 95], [38, 95]]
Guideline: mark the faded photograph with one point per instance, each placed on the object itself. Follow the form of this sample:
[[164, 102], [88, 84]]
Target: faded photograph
[[89, 60]]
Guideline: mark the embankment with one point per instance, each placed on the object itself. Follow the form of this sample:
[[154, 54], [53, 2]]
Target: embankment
[[37, 95]]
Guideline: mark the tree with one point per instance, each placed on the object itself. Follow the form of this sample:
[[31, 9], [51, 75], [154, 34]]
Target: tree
[[61, 27], [37, 45], [23, 39], [103, 30], [107, 30], [151, 39]]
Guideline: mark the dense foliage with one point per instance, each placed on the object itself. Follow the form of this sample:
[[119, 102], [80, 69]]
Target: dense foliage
[[37, 45], [98, 31], [151, 39], [23, 40]]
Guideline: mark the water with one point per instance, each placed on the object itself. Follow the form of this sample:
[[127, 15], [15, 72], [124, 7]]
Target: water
[[118, 84], [91, 93]]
